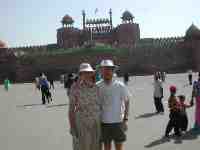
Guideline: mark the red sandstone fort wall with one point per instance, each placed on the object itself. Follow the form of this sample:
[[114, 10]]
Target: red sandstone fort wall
[[142, 61], [7, 65], [196, 55]]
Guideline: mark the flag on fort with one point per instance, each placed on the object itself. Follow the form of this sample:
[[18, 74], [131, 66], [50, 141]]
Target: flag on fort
[[96, 10]]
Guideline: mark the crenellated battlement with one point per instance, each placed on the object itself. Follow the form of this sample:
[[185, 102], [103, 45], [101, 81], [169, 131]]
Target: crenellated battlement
[[168, 42], [31, 47]]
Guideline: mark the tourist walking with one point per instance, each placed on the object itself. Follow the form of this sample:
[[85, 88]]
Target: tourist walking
[[62, 78], [158, 95], [114, 98], [159, 75], [6, 84], [44, 86], [51, 81], [68, 82], [196, 96], [84, 110], [163, 75], [190, 77], [174, 116]]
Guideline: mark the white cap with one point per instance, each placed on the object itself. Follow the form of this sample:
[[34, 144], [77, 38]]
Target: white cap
[[85, 67], [107, 63]]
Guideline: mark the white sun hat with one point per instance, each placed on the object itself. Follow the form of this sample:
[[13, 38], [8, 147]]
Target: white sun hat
[[85, 67], [107, 63]]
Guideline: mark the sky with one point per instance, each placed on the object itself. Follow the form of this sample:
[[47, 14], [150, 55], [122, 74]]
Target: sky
[[34, 22]]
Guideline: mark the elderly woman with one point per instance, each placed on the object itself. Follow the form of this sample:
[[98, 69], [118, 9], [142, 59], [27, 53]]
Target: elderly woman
[[84, 111]]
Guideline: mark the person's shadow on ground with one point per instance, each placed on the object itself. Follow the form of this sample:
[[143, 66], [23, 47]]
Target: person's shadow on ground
[[27, 105], [58, 105], [146, 115], [159, 141], [35, 105], [189, 135]]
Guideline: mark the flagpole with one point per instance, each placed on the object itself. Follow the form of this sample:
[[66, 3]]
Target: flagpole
[[91, 34], [95, 12]]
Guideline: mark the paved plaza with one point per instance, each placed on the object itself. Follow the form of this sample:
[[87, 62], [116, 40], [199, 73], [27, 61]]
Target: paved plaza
[[25, 124]]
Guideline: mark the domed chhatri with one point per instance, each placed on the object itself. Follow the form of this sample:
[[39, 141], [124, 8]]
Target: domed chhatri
[[127, 16], [3, 44], [67, 20], [193, 31]]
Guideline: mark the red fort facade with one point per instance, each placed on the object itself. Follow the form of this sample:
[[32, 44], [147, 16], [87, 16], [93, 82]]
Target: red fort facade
[[99, 30], [144, 55]]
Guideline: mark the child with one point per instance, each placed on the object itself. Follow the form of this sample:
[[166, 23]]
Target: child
[[174, 115], [183, 113]]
